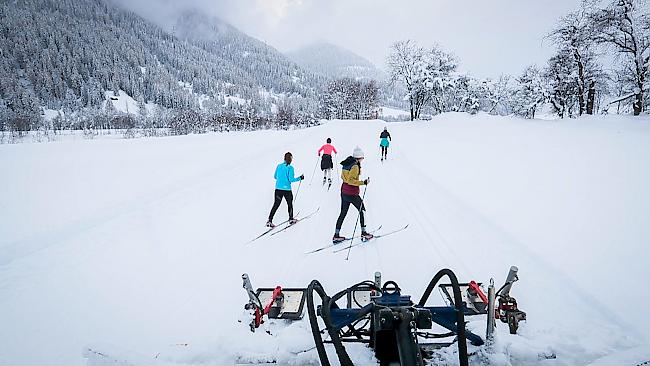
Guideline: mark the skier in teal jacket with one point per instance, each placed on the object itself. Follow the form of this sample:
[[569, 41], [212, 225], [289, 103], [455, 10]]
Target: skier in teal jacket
[[284, 176], [384, 142]]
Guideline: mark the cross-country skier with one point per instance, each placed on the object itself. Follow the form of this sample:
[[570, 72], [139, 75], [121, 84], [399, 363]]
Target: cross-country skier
[[284, 176], [326, 163], [350, 172], [384, 142]]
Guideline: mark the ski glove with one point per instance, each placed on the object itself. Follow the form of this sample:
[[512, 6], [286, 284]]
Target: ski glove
[[302, 176], [366, 181]]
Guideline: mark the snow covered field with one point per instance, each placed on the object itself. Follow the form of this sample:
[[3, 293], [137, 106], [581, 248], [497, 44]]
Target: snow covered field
[[135, 248], [388, 112]]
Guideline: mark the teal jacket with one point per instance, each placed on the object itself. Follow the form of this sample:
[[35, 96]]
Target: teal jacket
[[284, 176]]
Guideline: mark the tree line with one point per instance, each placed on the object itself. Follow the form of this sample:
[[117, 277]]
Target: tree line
[[572, 83], [347, 98]]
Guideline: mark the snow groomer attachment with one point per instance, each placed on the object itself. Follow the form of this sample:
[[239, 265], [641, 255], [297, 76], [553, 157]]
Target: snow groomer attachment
[[390, 323], [275, 303], [396, 328]]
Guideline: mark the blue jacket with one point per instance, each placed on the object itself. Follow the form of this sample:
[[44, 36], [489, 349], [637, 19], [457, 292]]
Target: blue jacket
[[284, 176]]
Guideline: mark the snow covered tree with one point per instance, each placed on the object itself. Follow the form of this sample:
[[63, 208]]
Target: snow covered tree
[[562, 80], [426, 73], [285, 116], [574, 35], [624, 25], [405, 65], [530, 92], [436, 78], [347, 98]]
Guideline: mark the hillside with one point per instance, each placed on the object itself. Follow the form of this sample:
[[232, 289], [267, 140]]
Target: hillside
[[70, 52], [335, 62], [264, 64]]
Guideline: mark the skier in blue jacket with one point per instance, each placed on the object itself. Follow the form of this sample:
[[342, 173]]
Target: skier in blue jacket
[[284, 176]]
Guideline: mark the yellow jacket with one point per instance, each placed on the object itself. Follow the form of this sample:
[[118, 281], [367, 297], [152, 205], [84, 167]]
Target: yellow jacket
[[350, 175]]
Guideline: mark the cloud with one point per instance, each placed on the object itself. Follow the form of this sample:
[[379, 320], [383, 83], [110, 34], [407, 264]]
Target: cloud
[[278, 9], [490, 37]]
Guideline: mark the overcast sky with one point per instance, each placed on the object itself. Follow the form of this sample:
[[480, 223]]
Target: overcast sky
[[490, 37]]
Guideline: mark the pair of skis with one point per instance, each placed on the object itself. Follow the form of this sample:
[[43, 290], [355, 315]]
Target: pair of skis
[[352, 244], [342, 241], [328, 184], [286, 224]]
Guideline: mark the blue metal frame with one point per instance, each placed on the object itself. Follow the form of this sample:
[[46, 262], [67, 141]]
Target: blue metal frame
[[444, 316]]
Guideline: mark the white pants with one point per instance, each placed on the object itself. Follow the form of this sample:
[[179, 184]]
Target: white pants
[[327, 173]]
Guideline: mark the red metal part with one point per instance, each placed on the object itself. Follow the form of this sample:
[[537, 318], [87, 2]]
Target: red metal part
[[506, 305], [258, 318], [259, 313], [476, 288], [277, 294]]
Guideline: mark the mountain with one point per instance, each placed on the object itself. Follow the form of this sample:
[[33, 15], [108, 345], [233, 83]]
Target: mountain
[[260, 62], [67, 54], [332, 61]]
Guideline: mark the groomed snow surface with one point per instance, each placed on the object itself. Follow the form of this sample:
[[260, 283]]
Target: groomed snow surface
[[130, 252]]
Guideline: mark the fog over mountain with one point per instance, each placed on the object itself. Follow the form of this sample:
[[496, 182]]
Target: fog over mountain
[[330, 60]]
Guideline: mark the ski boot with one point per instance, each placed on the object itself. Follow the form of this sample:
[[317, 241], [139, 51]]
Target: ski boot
[[324, 180], [337, 239], [292, 221], [270, 224], [365, 236]]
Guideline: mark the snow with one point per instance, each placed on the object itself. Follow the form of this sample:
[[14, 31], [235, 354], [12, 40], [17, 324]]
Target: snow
[[51, 114], [230, 99], [202, 99], [123, 102], [394, 113], [130, 252]]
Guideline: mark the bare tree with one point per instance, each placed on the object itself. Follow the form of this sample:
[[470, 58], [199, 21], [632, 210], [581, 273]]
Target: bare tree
[[574, 36], [625, 26], [404, 64]]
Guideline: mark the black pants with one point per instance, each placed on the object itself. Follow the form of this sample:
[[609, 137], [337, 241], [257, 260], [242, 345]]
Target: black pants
[[384, 151], [288, 196], [326, 162], [346, 200]]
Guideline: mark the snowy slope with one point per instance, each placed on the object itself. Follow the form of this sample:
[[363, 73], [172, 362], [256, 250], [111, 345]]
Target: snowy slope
[[135, 248], [333, 61], [387, 112]]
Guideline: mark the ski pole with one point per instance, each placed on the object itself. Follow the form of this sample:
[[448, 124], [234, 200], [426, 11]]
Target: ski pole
[[314, 172], [338, 168], [297, 191], [357, 222]]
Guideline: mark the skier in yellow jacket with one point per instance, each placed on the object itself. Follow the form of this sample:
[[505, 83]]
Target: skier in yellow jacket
[[350, 172]]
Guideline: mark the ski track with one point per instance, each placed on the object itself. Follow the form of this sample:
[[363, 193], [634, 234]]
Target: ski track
[[191, 185], [496, 236]]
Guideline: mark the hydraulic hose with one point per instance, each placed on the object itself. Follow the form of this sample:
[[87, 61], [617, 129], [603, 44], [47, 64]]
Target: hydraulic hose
[[458, 303], [313, 320], [329, 303]]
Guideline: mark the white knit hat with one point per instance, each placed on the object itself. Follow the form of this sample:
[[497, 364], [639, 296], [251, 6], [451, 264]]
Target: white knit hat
[[357, 153]]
